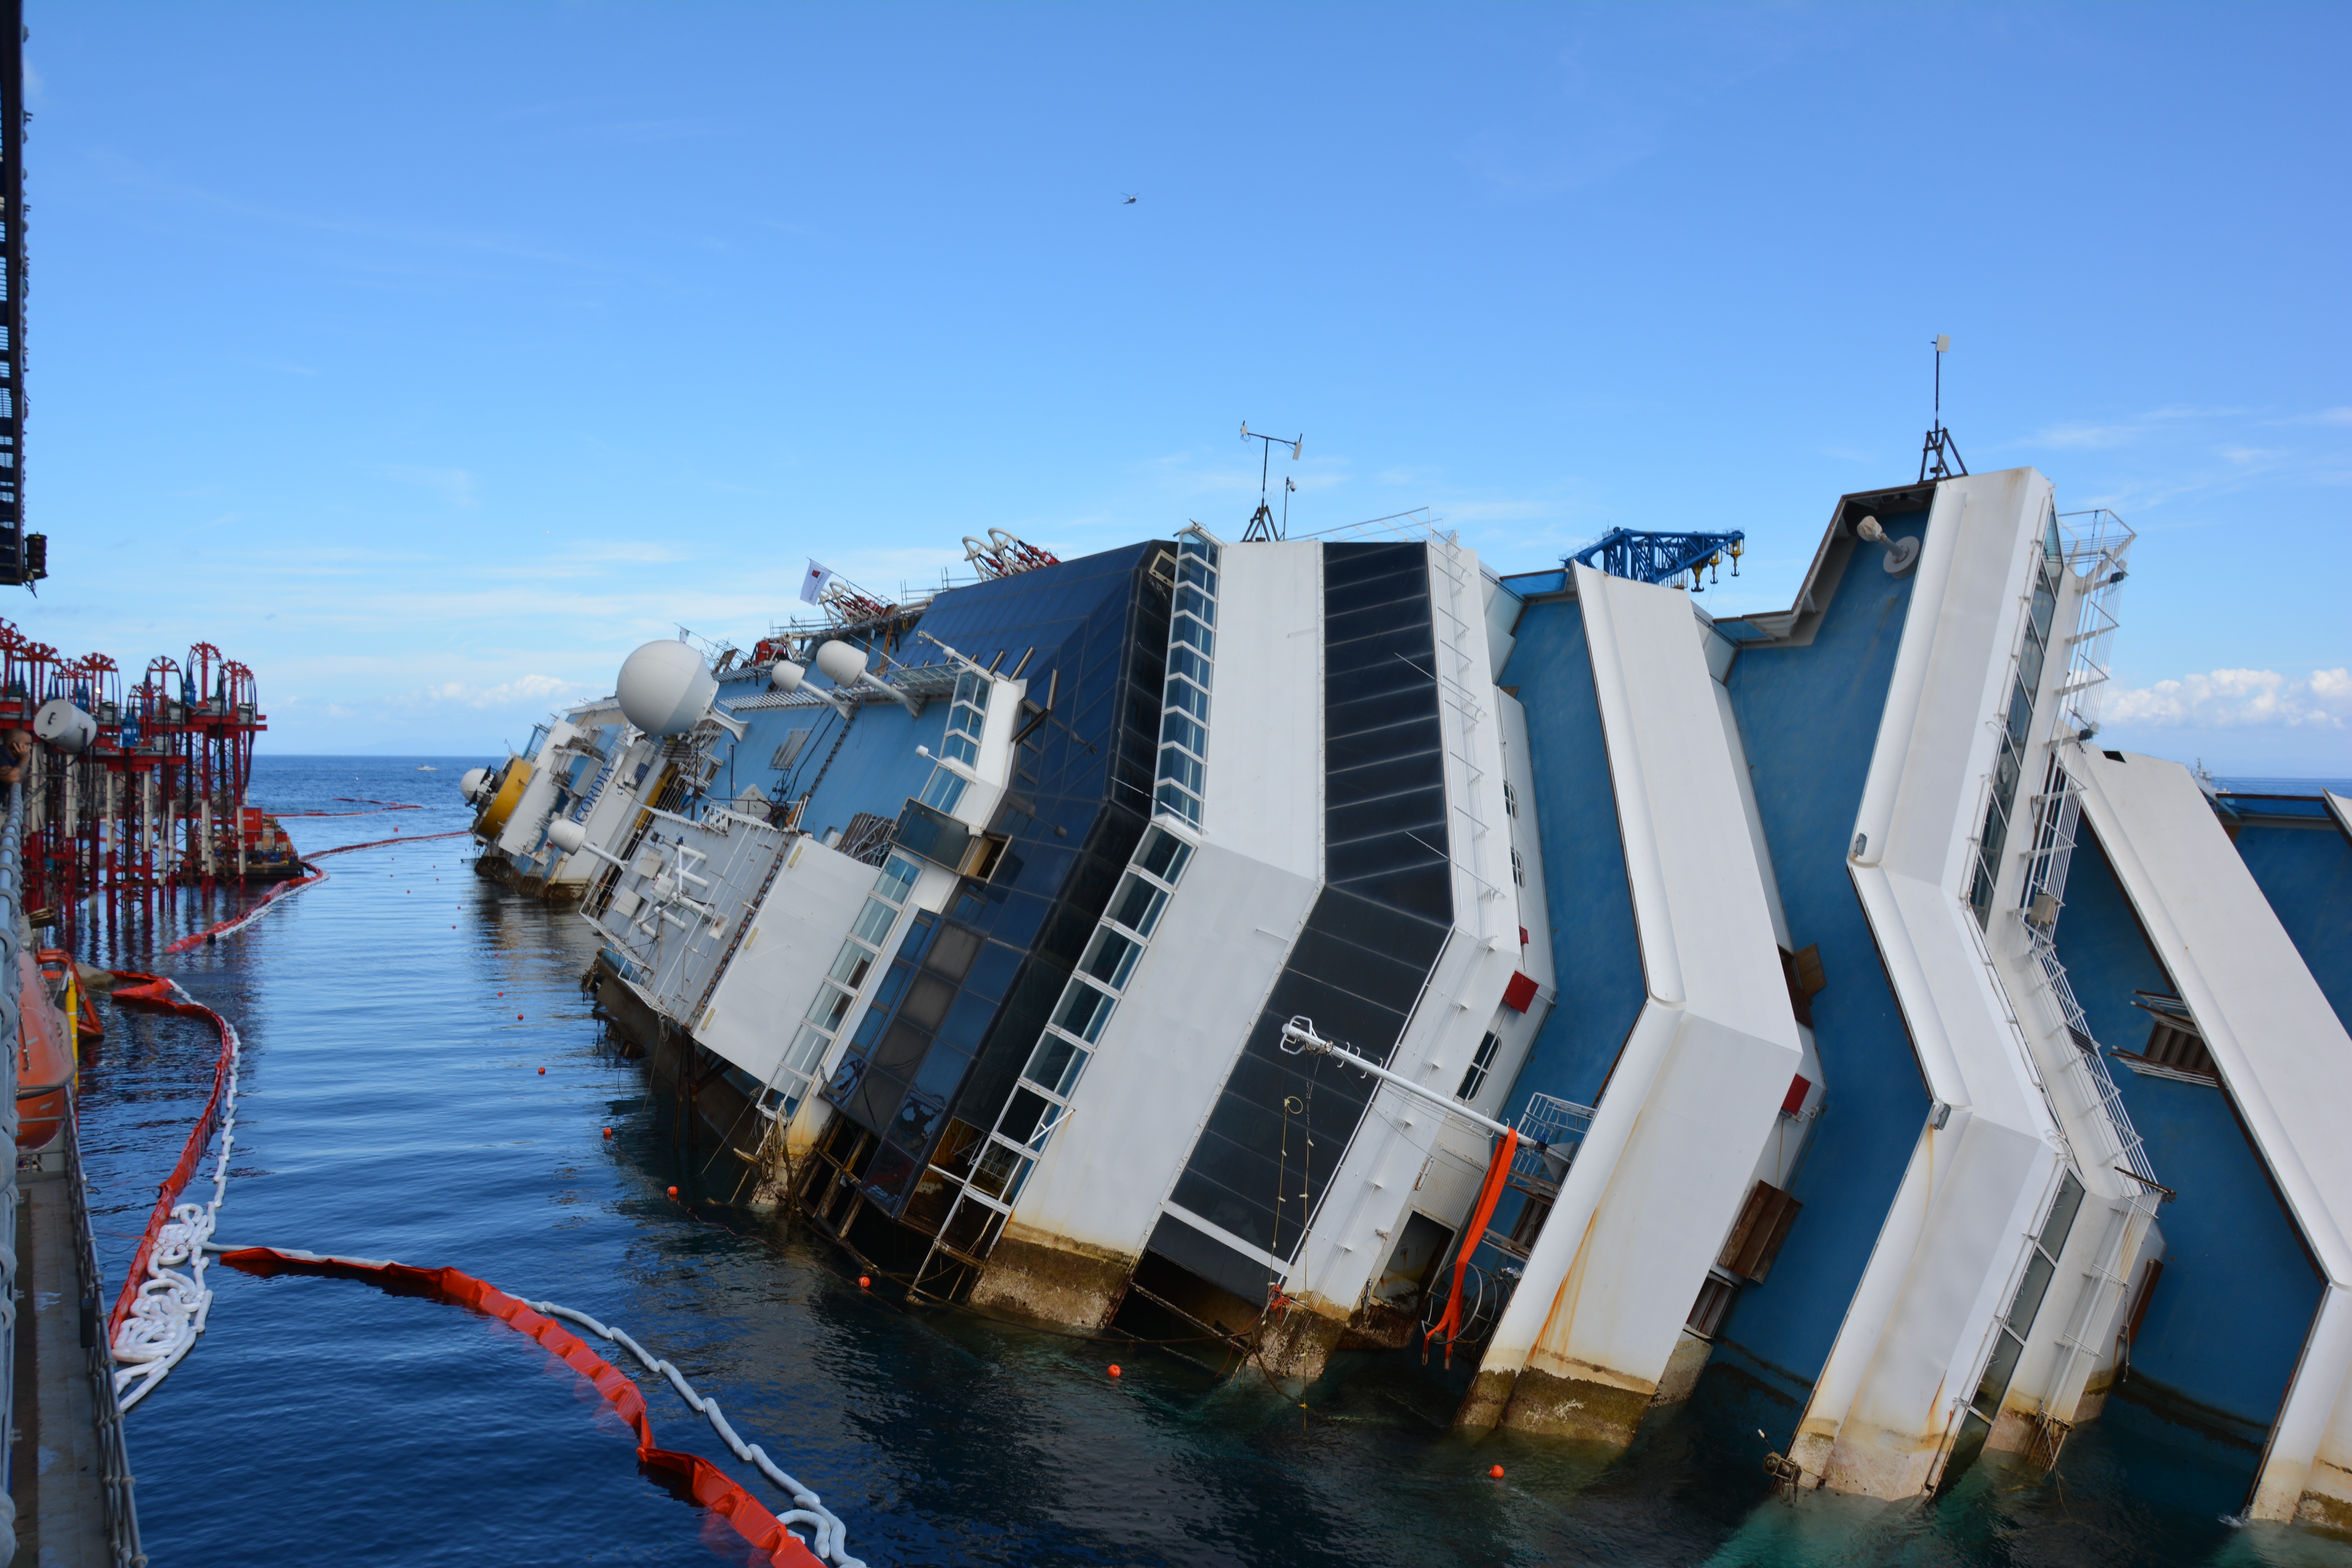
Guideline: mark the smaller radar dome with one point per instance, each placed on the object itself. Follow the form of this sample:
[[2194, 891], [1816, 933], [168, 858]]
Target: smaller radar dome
[[665, 690], [786, 675], [473, 783], [567, 836], [840, 663]]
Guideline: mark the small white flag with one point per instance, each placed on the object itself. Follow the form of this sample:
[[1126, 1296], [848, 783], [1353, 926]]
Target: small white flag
[[812, 585]]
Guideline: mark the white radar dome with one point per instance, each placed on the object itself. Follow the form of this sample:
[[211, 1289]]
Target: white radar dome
[[665, 690], [473, 783], [840, 663], [64, 726], [566, 835], [787, 676]]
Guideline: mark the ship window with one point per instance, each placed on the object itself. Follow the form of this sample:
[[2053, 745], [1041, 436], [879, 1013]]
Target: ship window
[[874, 922], [1184, 661], [952, 955], [927, 1001], [1474, 1078], [807, 1051], [1053, 1065], [897, 880], [1191, 600], [1164, 855], [1178, 767], [1518, 869], [827, 1010], [1111, 958], [1137, 905], [995, 1168], [1191, 698], [963, 748], [1177, 730], [1510, 799], [852, 967], [1194, 570], [1177, 803], [944, 792], [1083, 1012], [2041, 1265], [1185, 629]]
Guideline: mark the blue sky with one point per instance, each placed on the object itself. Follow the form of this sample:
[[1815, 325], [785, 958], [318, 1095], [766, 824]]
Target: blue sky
[[429, 358]]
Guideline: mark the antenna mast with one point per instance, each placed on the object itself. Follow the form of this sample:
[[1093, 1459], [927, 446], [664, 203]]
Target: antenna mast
[[1939, 455], [1262, 525]]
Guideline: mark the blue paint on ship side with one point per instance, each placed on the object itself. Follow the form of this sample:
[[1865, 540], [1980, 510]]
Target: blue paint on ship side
[[2306, 875], [2238, 1292], [1809, 719], [1597, 954]]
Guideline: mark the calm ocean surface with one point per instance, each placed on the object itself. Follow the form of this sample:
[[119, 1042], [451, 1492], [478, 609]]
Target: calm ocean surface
[[394, 1020]]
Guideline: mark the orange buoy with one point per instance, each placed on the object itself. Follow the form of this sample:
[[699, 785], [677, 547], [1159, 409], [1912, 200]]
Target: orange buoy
[[864, 1283], [673, 1192], [518, 1017], [608, 1132], [1114, 1368], [1497, 1472], [542, 1072]]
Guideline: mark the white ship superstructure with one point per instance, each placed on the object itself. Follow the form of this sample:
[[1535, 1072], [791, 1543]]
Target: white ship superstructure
[[1038, 939]]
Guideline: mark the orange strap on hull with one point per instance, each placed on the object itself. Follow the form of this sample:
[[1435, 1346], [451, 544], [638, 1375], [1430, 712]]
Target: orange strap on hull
[[709, 1485], [1489, 1194]]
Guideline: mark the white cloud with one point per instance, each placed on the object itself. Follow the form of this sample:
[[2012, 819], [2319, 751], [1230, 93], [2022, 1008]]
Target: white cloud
[[506, 694], [2228, 698]]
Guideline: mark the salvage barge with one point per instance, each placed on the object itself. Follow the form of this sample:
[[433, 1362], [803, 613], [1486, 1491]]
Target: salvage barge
[[1796, 953]]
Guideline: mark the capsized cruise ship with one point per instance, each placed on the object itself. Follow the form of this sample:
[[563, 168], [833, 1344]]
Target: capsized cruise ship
[[1299, 945]]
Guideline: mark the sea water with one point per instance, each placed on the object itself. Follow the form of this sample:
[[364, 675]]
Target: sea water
[[395, 1019]]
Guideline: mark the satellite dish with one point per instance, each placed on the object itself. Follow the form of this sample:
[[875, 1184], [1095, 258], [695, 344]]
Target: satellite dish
[[664, 690], [65, 726]]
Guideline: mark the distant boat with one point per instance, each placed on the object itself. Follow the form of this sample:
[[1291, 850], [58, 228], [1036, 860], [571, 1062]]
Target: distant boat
[[426, 768]]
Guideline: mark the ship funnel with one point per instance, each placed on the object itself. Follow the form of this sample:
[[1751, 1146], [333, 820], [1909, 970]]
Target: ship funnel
[[664, 690], [844, 666], [65, 726]]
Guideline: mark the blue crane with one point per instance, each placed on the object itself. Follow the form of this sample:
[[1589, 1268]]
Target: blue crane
[[1660, 557]]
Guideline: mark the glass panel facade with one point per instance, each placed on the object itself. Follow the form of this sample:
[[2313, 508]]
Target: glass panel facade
[[2041, 1267], [2009, 764], [860, 953], [1375, 930], [982, 978], [1184, 704]]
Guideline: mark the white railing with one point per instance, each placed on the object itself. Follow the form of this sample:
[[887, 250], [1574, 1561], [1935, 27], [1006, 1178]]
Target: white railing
[[1560, 1126]]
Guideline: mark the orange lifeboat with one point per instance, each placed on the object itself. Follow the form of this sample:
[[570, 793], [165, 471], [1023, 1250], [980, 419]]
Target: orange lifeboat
[[44, 1049]]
